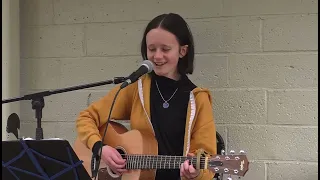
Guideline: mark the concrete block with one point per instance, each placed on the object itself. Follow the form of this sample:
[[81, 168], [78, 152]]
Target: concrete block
[[239, 34], [222, 130], [274, 7], [36, 12], [210, 71], [84, 11], [274, 70], [292, 171], [52, 41], [127, 125], [286, 143], [147, 10], [40, 74], [63, 130], [97, 95], [114, 38], [28, 129], [94, 69], [290, 33], [239, 106], [293, 107]]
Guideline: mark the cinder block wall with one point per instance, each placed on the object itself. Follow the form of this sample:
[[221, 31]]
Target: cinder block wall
[[258, 57]]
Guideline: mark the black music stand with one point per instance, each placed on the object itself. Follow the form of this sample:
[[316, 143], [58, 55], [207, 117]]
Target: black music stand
[[41, 159]]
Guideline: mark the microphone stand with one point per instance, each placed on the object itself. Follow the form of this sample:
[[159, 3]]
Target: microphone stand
[[37, 99]]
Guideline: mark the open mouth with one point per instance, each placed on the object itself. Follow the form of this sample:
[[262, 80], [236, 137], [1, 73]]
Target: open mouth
[[159, 63]]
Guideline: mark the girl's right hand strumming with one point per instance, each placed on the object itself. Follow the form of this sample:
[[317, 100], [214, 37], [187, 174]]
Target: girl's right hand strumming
[[113, 159]]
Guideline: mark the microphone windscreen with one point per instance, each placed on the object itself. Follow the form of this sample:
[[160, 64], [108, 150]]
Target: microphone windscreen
[[13, 124]]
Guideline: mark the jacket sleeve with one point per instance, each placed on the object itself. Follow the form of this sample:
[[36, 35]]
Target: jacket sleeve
[[204, 131], [91, 119]]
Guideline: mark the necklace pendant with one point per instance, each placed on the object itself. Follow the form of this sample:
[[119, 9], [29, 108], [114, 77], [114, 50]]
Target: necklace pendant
[[165, 105]]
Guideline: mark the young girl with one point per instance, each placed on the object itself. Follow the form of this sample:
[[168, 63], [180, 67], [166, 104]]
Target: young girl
[[164, 102]]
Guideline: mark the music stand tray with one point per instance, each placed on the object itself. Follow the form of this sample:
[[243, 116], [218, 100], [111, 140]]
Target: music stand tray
[[41, 159]]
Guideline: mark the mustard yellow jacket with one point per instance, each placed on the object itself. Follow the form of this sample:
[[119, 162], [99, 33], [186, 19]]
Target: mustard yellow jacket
[[133, 102]]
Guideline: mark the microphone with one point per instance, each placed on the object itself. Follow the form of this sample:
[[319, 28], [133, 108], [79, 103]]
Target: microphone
[[13, 124], [146, 67]]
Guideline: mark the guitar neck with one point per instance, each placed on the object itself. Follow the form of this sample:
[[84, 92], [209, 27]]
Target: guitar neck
[[160, 161]]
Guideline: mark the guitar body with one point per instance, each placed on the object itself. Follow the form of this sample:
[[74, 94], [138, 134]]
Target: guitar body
[[126, 142], [141, 152]]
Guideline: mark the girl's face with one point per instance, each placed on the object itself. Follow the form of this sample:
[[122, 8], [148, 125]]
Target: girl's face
[[164, 51]]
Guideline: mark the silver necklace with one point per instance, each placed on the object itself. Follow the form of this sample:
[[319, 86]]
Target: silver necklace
[[165, 104]]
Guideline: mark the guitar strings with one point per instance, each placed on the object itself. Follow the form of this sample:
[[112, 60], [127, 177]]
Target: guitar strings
[[158, 162], [161, 158], [137, 161]]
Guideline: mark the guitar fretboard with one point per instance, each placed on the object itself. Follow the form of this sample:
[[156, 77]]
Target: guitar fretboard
[[159, 161]]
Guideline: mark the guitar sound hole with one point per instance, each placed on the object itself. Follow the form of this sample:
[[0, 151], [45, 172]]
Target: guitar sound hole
[[121, 152]]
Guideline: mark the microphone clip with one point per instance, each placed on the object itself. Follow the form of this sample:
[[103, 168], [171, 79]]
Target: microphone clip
[[118, 80]]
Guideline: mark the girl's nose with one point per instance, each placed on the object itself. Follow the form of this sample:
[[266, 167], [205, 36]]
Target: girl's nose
[[158, 54]]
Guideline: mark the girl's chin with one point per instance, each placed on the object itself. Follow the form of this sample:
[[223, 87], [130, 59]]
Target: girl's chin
[[160, 73]]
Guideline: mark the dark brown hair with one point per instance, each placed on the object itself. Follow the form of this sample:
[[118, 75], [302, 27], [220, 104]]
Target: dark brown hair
[[176, 25]]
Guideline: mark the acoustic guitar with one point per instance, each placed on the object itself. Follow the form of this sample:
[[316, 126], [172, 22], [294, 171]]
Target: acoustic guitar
[[140, 151]]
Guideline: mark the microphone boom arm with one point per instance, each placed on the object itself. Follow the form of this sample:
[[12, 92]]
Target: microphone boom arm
[[37, 99]]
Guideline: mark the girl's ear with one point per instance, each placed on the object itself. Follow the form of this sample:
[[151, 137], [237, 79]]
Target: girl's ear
[[183, 51]]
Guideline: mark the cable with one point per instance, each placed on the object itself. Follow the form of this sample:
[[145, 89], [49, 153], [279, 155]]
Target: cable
[[105, 131]]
